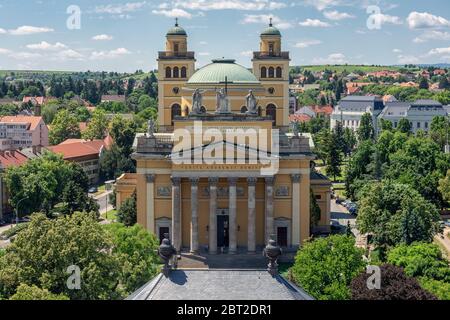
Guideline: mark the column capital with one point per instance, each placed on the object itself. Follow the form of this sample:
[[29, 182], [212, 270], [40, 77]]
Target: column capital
[[252, 181], [150, 178], [296, 178], [175, 181], [213, 181], [270, 181], [232, 181], [194, 181]]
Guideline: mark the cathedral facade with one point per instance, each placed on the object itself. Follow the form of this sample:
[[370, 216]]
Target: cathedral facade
[[203, 177]]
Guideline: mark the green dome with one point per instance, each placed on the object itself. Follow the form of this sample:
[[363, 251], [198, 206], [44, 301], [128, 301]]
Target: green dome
[[271, 31], [176, 31], [216, 72]]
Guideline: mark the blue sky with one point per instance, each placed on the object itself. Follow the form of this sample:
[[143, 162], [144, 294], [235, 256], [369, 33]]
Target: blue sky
[[126, 35]]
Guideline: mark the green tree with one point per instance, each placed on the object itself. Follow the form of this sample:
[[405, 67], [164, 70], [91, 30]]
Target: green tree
[[444, 187], [315, 211], [404, 126], [359, 168], [127, 213], [27, 293], [423, 84], [43, 182], [135, 249], [440, 130], [64, 126], [325, 267], [97, 126], [366, 130], [350, 141], [394, 213], [42, 253], [333, 157]]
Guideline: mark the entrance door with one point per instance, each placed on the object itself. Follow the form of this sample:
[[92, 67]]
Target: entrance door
[[282, 234], [223, 239], [162, 231]]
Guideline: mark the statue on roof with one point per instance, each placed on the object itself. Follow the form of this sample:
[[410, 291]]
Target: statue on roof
[[151, 128], [197, 101], [252, 103], [222, 101]]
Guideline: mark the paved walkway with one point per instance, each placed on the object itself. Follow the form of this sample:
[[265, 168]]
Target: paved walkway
[[445, 241]]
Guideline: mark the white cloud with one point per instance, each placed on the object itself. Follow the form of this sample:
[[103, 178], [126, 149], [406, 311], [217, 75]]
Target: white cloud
[[322, 4], [207, 5], [112, 54], [381, 19], [397, 51], [423, 20], [24, 55], [120, 9], [334, 58], [315, 23], [203, 43], [173, 13], [407, 59], [4, 51], [439, 51], [45, 46], [69, 55], [27, 30], [2, 31], [336, 15], [102, 37], [432, 35], [307, 43], [265, 18], [248, 53]]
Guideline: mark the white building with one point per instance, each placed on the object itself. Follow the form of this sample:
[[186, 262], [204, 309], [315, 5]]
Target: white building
[[420, 113], [351, 109]]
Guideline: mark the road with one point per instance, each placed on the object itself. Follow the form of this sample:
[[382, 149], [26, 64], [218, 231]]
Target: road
[[445, 241], [102, 202]]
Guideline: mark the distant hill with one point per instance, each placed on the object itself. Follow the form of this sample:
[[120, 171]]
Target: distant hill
[[348, 68]]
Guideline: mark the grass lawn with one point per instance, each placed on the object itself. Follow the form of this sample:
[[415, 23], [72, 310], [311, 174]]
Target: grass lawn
[[112, 215]]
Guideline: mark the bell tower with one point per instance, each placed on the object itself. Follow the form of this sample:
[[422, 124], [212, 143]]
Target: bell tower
[[271, 67], [175, 66]]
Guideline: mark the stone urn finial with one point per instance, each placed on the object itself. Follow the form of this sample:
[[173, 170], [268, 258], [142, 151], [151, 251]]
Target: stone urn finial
[[166, 251], [272, 252]]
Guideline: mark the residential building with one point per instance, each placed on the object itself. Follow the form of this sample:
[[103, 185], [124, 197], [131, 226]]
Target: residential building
[[419, 113], [351, 108], [228, 208], [83, 152], [17, 132]]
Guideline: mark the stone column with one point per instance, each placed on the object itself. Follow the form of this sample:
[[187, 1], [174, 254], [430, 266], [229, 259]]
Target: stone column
[[269, 208], [295, 209], [151, 203], [233, 215], [213, 215], [194, 215], [176, 213], [251, 240]]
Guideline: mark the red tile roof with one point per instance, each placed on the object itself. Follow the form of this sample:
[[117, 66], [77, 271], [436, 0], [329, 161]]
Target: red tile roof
[[300, 118], [32, 120], [327, 110], [38, 100], [12, 158], [76, 148]]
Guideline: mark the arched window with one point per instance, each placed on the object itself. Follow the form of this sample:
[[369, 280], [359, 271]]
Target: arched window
[[168, 72], [263, 72], [244, 109], [271, 72], [176, 72], [271, 111], [279, 72], [183, 72], [176, 111]]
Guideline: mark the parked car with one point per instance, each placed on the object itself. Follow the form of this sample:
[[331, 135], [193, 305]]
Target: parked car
[[2, 223], [93, 190], [447, 223], [339, 200]]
